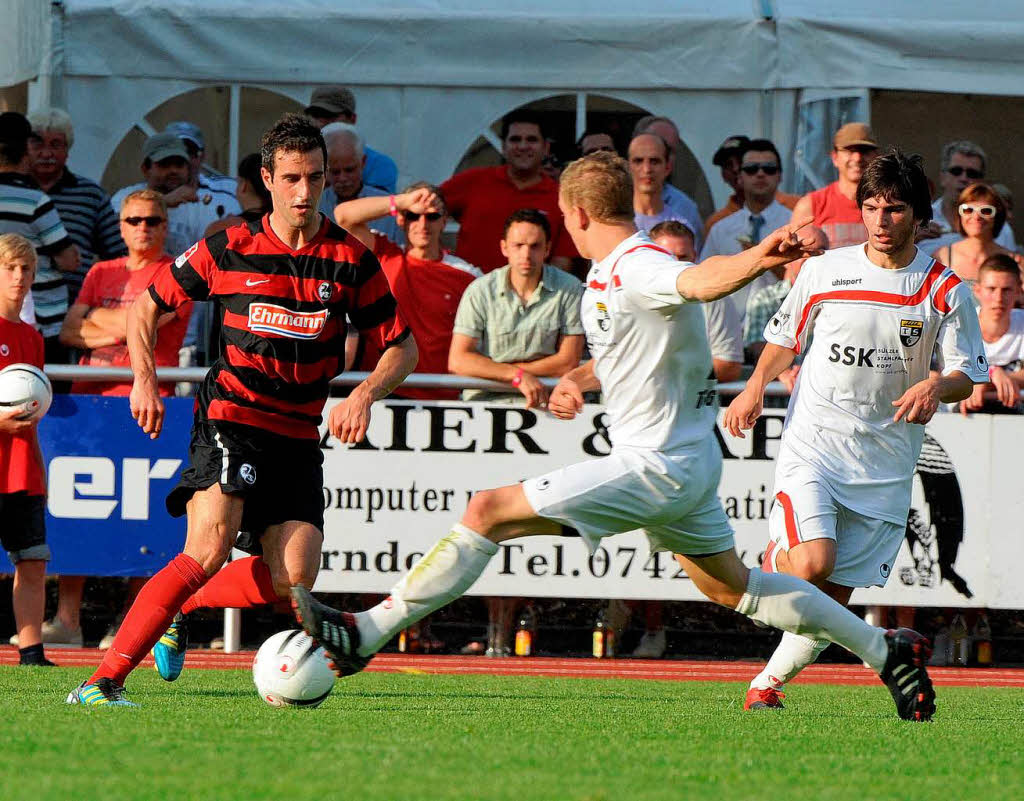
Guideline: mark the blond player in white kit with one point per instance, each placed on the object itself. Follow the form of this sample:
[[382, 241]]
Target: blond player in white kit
[[651, 359], [855, 424]]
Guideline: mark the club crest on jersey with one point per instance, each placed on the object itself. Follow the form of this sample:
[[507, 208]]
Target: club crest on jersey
[[267, 318], [248, 473], [604, 320], [184, 257], [910, 332], [325, 290]]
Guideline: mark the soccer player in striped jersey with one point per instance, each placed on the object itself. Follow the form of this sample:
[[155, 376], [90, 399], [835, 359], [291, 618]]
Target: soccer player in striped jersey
[[643, 320], [877, 312], [284, 285]]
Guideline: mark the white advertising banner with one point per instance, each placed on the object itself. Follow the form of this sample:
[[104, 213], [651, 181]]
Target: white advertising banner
[[389, 499]]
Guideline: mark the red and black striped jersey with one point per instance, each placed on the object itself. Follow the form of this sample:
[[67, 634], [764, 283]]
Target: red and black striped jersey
[[282, 315]]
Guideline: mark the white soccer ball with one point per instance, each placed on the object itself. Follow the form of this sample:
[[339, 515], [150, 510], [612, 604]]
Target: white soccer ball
[[25, 387], [290, 669]]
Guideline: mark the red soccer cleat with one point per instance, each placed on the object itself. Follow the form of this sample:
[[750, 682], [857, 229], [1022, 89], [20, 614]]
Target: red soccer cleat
[[763, 698]]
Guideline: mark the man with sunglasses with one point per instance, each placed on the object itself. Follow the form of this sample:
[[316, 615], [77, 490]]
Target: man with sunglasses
[[962, 163], [426, 280], [760, 170]]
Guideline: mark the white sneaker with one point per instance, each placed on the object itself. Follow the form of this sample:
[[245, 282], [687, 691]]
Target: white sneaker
[[56, 635], [652, 645]]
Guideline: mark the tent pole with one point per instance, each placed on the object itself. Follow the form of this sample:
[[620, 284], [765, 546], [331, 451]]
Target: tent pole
[[234, 117]]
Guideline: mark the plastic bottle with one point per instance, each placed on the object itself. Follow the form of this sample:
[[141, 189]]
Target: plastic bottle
[[960, 640], [604, 638], [526, 631], [409, 640], [940, 643], [983, 640]]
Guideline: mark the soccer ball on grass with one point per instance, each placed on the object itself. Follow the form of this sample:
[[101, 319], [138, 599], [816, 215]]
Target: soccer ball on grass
[[290, 669]]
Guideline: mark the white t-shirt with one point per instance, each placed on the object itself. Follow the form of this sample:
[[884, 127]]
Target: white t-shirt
[[1008, 351], [874, 333], [725, 331], [724, 240], [650, 349]]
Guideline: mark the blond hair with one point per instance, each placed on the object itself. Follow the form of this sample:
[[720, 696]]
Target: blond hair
[[148, 195], [15, 246], [601, 185]]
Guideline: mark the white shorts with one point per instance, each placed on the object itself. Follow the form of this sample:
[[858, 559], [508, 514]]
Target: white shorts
[[805, 509], [671, 497]]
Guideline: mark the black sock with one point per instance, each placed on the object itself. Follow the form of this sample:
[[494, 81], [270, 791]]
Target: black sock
[[32, 655]]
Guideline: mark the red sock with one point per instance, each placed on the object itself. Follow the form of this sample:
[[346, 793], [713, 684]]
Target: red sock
[[150, 615], [241, 584]]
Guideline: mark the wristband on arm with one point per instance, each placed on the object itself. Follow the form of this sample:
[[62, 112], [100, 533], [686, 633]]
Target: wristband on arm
[[517, 379]]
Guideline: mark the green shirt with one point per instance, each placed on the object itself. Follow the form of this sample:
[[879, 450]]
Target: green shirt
[[506, 329]]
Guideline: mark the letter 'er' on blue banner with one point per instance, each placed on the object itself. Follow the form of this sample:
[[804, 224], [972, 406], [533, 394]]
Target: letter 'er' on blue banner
[[106, 483]]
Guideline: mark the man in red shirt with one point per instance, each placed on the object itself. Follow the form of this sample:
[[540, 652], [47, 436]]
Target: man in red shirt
[[97, 324], [482, 198], [97, 321], [22, 469], [834, 207], [284, 285], [426, 281]]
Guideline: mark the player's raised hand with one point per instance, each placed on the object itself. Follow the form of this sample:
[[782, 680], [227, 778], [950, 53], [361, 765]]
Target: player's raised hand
[[349, 420], [566, 399], [789, 243], [147, 407], [918, 404], [743, 412]]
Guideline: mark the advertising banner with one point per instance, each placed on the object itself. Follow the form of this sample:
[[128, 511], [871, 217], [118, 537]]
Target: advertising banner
[[390, 498]]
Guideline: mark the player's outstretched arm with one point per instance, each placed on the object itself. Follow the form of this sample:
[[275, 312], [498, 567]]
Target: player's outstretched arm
[[746, 407], [566, 399], [349, 420], [920, 402], [719, 276], [144, 399]]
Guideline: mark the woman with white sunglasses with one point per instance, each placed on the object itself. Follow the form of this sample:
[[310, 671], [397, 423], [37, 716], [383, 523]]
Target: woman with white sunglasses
[[981, 215]]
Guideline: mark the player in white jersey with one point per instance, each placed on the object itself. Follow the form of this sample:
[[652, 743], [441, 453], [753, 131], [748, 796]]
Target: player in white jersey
[[652, 361], [856, 419]]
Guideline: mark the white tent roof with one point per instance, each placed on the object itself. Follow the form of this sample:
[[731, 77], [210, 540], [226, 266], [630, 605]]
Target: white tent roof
[[951, 45], [22, 39]]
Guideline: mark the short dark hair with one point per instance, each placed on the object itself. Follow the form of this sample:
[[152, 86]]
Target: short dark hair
[[249, 169], [15, 131], [896, 175], [531, 216], [761, 146], [524, 116], [293, 133], [671, 228], [1000, 263]]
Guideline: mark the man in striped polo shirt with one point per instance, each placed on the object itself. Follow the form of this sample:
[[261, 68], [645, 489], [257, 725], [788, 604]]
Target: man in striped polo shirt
[[26, 210], [83, 206], [284, 285]]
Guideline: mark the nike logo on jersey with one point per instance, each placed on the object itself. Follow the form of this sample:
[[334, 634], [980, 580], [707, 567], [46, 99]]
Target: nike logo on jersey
[[250, 282]]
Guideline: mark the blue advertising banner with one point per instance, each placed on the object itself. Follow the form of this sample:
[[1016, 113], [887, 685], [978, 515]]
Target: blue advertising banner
[[107, 482]]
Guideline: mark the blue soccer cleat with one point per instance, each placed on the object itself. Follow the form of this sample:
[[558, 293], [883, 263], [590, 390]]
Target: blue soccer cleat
[[104, 692], [169, 651]]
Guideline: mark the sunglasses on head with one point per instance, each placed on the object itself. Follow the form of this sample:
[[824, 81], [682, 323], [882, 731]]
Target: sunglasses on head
[[766, 167], [957, 171], [412, 216], [152, 222], [984, 211]]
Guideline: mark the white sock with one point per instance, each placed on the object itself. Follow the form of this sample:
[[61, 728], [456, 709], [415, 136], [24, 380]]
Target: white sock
[[791, 656], [441, 576], [791, 604]]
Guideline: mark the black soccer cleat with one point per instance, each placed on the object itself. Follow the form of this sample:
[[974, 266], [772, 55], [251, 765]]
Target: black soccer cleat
[[335, 631], [906, 676]]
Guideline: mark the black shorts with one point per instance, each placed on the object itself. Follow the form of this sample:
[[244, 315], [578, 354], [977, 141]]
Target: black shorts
[[23, 531], [280, 479]]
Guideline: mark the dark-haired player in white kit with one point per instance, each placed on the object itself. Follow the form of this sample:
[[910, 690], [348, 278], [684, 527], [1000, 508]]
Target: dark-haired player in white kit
[[856, 419], [652, 361]]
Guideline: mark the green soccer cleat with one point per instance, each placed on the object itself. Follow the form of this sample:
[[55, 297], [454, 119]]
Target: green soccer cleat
[[169, 651], [103, 693]]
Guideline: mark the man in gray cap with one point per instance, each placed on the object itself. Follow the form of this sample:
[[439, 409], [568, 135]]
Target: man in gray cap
[[337, 104], [221, 187]]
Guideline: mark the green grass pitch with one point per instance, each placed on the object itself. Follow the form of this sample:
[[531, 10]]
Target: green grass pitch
[[406, 737]]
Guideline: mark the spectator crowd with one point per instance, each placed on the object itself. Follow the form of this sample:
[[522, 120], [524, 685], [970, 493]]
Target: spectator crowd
[[498, 300]]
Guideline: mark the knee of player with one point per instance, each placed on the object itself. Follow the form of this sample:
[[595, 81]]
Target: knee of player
[[482, 511], [813, 565]]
